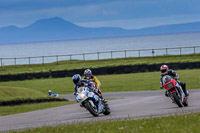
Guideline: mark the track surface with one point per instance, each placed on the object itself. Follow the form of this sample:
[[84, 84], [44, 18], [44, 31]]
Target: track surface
[[127, 105]]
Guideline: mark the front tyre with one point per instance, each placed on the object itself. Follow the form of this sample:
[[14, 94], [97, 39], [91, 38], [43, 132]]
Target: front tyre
[[177, 100], [91, 109]]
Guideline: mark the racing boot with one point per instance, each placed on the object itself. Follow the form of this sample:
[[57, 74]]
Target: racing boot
[[183, 85], [101, 96], [98, 93], [186, 92], [102, 99], [166, 93]]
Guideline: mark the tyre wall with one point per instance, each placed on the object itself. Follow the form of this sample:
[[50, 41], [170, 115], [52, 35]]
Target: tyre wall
[[100, 71]]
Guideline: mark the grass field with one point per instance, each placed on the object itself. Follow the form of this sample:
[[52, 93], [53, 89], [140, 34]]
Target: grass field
[[188, 123], [67, 65], [10, 93], [7, 110], [110, 83]]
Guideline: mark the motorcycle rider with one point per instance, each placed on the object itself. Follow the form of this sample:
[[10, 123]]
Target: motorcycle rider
[[92, 78], [166, 71], [49, 92], [79, 83]]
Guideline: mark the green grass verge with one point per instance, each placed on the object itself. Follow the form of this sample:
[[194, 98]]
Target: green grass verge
[[67, 65], [188, 123], [110, 83], [19, 93], [7, 110], [10, 93]]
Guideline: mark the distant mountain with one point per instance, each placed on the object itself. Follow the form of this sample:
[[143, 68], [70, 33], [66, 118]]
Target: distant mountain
[[58, 29]]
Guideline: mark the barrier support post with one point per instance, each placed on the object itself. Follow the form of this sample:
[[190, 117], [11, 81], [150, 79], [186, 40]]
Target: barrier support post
[[29, 61], [43, 60], [15, 61], [1, 62], [83, 56], [98, 55], [139, 53], [57, 60]]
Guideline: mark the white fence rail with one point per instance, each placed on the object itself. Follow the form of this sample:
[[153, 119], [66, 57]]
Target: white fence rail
[[100, 55]]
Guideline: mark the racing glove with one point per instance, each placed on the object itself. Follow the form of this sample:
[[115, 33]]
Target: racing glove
[[177, 77], [75, 93], [99, 90], [95, 91], [161, 86]]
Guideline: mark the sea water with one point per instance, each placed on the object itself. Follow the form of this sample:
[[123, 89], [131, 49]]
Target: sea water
[[98, 45]]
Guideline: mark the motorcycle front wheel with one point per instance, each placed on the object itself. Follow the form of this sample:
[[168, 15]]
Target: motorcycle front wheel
[[91, 109], [177, 100]]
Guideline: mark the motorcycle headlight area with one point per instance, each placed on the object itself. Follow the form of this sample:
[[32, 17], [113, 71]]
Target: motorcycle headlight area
[[82, 95]]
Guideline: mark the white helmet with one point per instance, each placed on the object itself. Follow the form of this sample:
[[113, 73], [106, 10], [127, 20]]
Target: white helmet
[[49, 92], [164, 69], [87, 72]]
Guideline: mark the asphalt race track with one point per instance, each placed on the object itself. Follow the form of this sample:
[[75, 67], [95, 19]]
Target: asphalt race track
[[130, 105]]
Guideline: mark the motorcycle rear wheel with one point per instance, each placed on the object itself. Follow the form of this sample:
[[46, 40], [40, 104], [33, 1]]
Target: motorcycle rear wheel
[[107, 109], [185, 103], [177, 100]]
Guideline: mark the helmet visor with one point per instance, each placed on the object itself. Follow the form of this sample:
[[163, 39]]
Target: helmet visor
[[163, 71], [76, 81], [87, 75]]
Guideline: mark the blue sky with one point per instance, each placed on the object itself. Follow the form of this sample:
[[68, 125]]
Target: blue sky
[[129, 14]]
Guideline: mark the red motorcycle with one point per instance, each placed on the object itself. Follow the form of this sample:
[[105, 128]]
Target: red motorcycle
[[175, 91]]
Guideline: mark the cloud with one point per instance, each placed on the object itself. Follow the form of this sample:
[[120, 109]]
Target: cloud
[[108, 8], [143, 22], [24, 12], [46, 4]]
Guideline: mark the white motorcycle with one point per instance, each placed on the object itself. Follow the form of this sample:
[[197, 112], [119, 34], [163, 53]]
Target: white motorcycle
[[89, 100]]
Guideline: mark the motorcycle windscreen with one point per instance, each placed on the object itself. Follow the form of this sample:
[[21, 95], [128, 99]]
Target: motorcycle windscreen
[[166, 79]]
